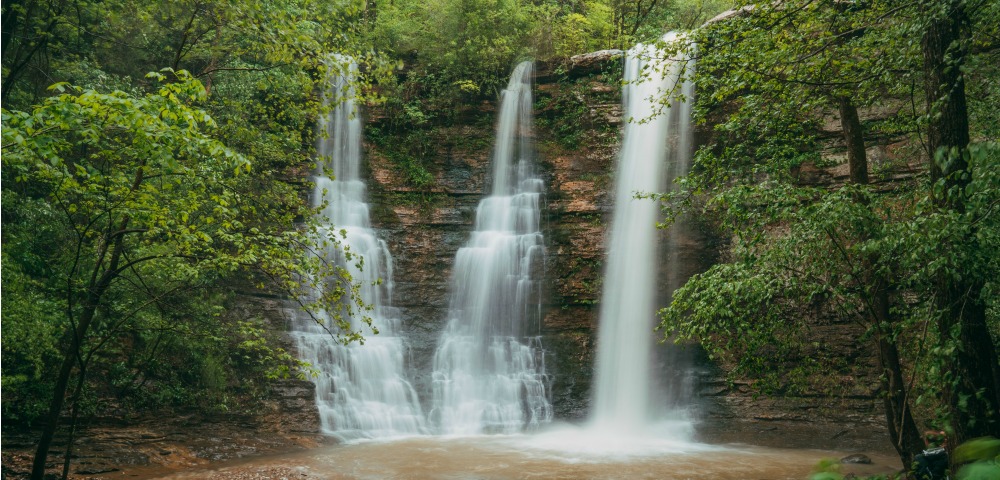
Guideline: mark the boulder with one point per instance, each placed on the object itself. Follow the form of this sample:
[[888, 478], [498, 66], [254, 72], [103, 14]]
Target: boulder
[[857, 458]]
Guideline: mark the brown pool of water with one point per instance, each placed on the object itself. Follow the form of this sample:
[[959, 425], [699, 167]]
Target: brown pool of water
[[562, 454]]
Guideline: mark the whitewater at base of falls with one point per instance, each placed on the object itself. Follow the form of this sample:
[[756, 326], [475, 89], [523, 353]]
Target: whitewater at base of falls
[[588, 443], [558, 456]]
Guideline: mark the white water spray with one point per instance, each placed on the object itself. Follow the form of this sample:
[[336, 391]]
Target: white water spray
[[657, 143], [361, 390], [489, 370]]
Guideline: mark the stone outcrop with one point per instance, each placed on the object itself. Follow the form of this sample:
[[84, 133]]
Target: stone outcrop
[[425, 229], [594, 63]]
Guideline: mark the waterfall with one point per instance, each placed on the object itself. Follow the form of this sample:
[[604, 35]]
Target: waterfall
[[361, 390], [489, 367], [657, 143]]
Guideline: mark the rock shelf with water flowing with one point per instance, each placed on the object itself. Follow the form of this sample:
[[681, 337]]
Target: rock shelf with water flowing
[[656, 145], [361, 390], [489, 367]]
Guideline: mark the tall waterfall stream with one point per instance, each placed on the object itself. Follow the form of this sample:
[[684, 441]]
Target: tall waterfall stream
[[656, 142], [489, 368], [361, 390]]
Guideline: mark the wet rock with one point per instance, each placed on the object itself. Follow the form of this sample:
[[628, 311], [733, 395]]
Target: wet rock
[[809, 174], [95, 469], [857, 458], [594, 62], [130, 458], [296, 406]]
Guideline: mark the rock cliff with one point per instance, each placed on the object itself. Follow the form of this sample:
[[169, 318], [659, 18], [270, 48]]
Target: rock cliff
[[577, 133], [578, 122]]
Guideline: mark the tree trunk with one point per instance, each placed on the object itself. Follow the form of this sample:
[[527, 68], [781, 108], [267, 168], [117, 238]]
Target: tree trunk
[[903, 430], [948, 122], [59, 393], [974, 396], [857, 159], [93, 299], [78, 392]]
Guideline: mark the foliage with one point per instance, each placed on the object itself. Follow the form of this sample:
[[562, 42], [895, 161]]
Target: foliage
[[461, 45], [97, 171], [29, 320], [980, 459], [564, 114], [456, 52], [753, 311], [769, 78], [826, 469], [409, 151], [133, 203], [561, 31]]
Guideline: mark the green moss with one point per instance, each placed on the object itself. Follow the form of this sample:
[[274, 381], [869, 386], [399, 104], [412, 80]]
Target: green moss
[[409, 151], [566, 110]]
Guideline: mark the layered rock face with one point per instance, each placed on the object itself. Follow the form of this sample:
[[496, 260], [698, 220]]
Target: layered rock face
[[424, 228], [578, 130], [578, 123]]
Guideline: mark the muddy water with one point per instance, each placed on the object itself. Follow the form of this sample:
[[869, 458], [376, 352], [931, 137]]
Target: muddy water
[[558, 454]]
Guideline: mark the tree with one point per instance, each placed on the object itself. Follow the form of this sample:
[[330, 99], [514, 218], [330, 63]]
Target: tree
[[973, 391], [142, 192], [151, 208], [146, 211], [769, 72]]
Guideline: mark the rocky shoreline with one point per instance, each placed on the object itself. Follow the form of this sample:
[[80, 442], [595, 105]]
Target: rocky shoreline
[[158, 444], [154, 448]]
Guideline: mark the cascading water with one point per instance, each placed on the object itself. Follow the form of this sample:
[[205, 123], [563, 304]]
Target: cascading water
[[361, 390], [489, 370], [657, 143]]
